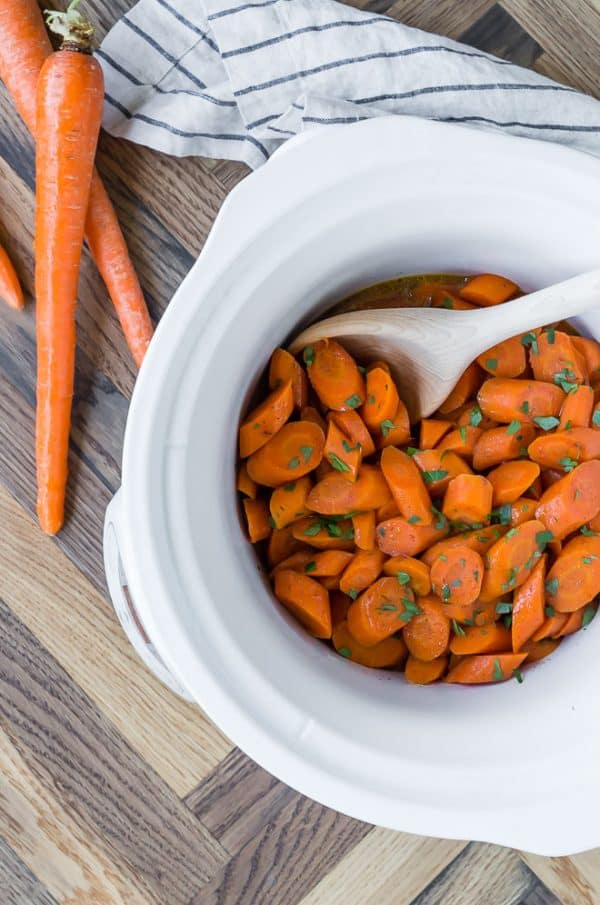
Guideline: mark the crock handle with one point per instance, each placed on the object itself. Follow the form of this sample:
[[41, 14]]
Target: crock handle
[[116, 580]]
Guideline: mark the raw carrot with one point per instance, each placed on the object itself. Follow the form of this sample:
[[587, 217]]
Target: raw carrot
[[571, 502], [389, 652], [468, 384], [343, 455], [439, 468], [69, 112], [10, 288], [362, 570], [461, 441], [266, 419], [283, 368], [511, 479], [283, 544], [479, 539], [295, 450], [245, 484], [409, 570], [522, 510], [561, 449], [396, 536], [407, 486], [442, 298], [351, 424], [507, 359], [555, 359], [288, 502], [397, 431], [485, 668], [339, 607], [257, 519], [468, 499], [323, 534], [488, 289], [432, 431], [380, 611], [537, 650], [335, 495], [364, 530], [423, 672], [551, 627], [310, 413], [456, 576], [589, 350], [574, 579], [496, 445], [488, 639], [511, 560], [306, 599], [428, 633], [507, 400], [577, 408], [528, 605], [334, 375]]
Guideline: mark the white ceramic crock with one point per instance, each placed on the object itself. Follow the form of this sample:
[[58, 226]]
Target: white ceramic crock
[[332, 212]]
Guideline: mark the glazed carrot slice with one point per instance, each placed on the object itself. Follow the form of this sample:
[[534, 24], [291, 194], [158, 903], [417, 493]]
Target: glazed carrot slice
[[328, 564], [10, 287], [594, 524], [577, 408], [551, 627], [589, 350], [424, 672], [288, 502], [397, 431], [507, 400], [323, 534], [427, 634], [439, 468], [488, 289], [554, 358], [574, 579], [407, 486], [471, 415], [456, 576], [266, 419], [522, 510], [351, 424], [432, 431], [335, 495], [381, 401], [409, 570], [468, 384], [488, 639], [507, 359], [380, 611], [560, 450], [257, 518], [486, 613], [537, 650], [485, 668], [310, 413], [389, 652], [363, 569], [468, 499], [442, 298], [295, 450], [461, 441], [364, 530], [330, 582], [528, 606], [479, 539], [343, 455], [572, 501], [396, 536], [573, 623], [306, 599], [511, 560], [299, 560], [339, 607], [284, 368], [245, 484], [511, 479], [283, 544], [334, 375], [496, 445]]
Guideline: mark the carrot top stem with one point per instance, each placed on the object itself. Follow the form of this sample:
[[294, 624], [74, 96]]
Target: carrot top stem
[[76, 32]]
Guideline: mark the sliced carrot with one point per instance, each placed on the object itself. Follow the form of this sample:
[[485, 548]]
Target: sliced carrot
[[283, 544], [594, 523], [574, 579], [577, 408], [432, 431], [507, 359], [485, 668], [322, 470], [389, 652], [442, 298], [334, 375], [328, 564], [397, 431], [424, 672], [364, 530], [468, 499], [522, 510], [245, 484], [511, 560], [396, 536], [380, 611], [427, 634], [488, 289], [467, 386], [306, 599], [288, 502], [330, 582], [335, 495], [471, 414], [355, 429], [571, 502], [554, 358], [456, 576], [295, 450], [409, 570], [589, 350], [10, 288], [461, 441], [561, 449], [381, 401], [257, 518], [407, 486], [266, 419], [511, 479], [389, 510], [343, 455], [573, 623], [310, 413], [538, 650], [496, 445], [551, 627], [323, 534], [507, 400], [284, 367], [362, 570], [528, 605], [479, 539], [486, 613], [339, 607], [439, 468], [487, 639], [299, 560]]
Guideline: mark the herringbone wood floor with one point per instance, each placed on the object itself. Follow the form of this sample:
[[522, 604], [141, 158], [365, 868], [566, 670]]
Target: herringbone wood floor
[[111, 789]]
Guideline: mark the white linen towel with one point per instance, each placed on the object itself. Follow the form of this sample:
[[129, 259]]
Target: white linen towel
[[234, 79]]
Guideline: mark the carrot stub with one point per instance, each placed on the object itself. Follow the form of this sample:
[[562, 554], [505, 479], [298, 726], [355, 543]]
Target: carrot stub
[[342, 455], [461, 441], [496, 445], [511, 560], [538, 650], [245, 484], [439, 468], [283, 544], [466, 387], [562, 449], [577, 408], [511, 479], [456, 576], [266, 419], [306, 599], [351, 424], [428, 633], [486, 639], [292, 452], [397, 536], [432, 431], [528, 606], [381, 401], [507, 359], [574, 579], [334, 375], [507, 400], [468, 499], [380, 611]]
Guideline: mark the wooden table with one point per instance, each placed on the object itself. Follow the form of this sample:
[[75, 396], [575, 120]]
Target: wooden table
[[112, 789]]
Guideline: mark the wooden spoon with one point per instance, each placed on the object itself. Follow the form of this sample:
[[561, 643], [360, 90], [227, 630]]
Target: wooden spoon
[[429, 348]]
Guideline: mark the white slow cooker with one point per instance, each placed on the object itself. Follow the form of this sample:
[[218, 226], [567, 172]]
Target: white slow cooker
[[334, 211]]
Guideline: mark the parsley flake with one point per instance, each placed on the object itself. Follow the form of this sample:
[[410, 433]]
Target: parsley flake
[[438, 474], [547, 423], [551, 334], [504, 607], [458, 629], [491, 364], [403, 577], [497, 675], [344, 652], [513, 427], [596, 418], [387, 426], [309, 356], [588, 560], [549, 611], [294, 463], [352, 593], [567, 463], [337, 463], [529, 340], [525, 408], [588, 615], [412, 451], [543, 537], [552, 587], [587, 531], [518, 675], [353, 401], [475, 416], [289, 488], [502, 514], [463, 433], [413, 520], [310, 566]]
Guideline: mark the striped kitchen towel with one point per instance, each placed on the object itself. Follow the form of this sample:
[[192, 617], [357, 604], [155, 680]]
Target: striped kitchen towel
[[234, 78]]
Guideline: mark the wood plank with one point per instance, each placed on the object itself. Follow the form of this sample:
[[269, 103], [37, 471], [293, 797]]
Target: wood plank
[[574, 880], [86, 639], [385, 867], [19, 886], [104, 781], [557, 67], [540, 895], [445, 17], [498, 33]]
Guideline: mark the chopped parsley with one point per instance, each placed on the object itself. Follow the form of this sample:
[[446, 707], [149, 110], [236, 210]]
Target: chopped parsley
[[567, 463], [352, 593], [294, 463], [441, 521], [491, 364], [529, 340], [596, 418], [525, 408], [513, 427], [337, 463], [403, 577], [412, 451], [310, 566], [549, 611], [475, 416], [353, 401], [458, 629], [447, 302], [413, 520], [344, 652], [587, 531], [443, 558], [308, 356], [588, 615], [546, 422], [504, 607], [446, 592], [438, 474], [306, 452], [289, 488], [272, 522], [507, 620], [371, 400], [551, 334], [497, 675], [543, 537], [518, 675], [463, 433], [381, 531], [565, 380], [510, 533], [313, 529], [502, 514], [552, 587], [348, 448], [588, 560]]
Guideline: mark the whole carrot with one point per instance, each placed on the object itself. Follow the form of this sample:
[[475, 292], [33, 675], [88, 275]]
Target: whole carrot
[[23, 49], [69, 112], [10, 288]]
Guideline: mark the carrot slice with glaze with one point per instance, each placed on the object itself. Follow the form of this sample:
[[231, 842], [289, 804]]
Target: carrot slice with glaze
[[343, 455], [389, 652], [283, 544], [551, 627], [554, 358], [485, 668], [562, 448], [380, 611], [507, 400], [577, 408], [310, 413], [245, 484], [442, 298], [396, 536], [306, 599], [496, 445], [295, 450], [355, 428], [339, 604], [428, 633], [574, 579], [364, 530], [468, 499], [266, 419], [456, 576], [461, 441], [363, 569], [572, 501], [479, 539], [432, 431], [522, 510], [511, 560], [257, 518], [288, 502], [381, 401], [468, 384], [528, 606], [511, 479], [507, 359], [488, 289], [439, 468], [424, 672], [284, 368], [487, 639], [407, 486], [409, 570], [324, 535], [396, 432], [538, 650], [589, 350], [335, 495], [334, 375]]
